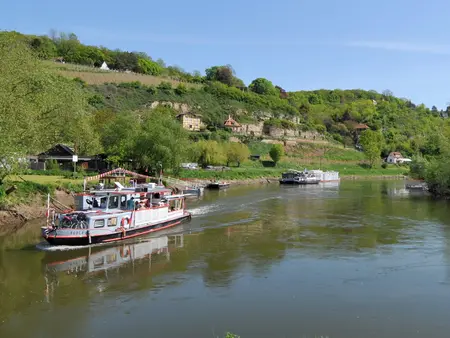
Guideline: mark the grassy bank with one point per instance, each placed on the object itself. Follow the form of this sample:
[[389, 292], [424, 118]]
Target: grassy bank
[[345, 170], [35, 187]]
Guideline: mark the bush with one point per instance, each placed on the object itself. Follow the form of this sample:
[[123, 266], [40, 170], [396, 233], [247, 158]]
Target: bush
[[384, 165]]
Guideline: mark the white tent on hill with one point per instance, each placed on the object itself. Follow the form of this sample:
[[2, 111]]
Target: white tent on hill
[[104, 66]]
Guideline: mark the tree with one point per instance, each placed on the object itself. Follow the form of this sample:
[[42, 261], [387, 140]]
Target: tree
[[38, 108], [262, 86], [276, 153], [161, 139], [372, 143], [44, 47], [149, 67], [236, 153], [208, 153], [224, 74], [118, 137]]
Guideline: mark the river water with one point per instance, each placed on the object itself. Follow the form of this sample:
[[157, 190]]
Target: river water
[[359, 259]]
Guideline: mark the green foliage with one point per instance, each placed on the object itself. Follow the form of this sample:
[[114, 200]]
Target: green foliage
[[165, 87], [38, 108], [118, 137], [276, 153], [372, 143], [161, 140], [223, 74], [149, 67], [51, 165], [437, 176], [181, 89], [262, 86], [236, 153], [280, 123], [207, 153], [418, 167]]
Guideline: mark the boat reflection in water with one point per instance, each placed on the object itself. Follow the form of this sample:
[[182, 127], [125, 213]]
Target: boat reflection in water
[[105, 262]]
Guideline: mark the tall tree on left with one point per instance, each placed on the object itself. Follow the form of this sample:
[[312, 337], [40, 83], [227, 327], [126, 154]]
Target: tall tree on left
[[37, 107]]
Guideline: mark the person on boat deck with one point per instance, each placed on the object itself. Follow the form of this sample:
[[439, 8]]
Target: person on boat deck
[[103, 203], [130, 204]]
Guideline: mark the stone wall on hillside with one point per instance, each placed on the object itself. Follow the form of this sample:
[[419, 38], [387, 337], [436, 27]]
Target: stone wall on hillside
[[179, 107], [255, 129]]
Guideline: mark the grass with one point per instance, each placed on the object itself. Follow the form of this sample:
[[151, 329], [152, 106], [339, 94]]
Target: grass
[[96, 76], [41, 179], [275, 172]]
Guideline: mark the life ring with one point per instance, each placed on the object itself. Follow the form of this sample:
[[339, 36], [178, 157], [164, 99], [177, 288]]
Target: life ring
[[126, 254], [125, 221]]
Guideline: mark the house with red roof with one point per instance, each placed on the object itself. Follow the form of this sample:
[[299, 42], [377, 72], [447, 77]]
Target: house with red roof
[[233, 125]]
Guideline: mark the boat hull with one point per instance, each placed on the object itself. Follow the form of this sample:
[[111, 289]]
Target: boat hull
[[53, 239], [299, 182], [218, 186]]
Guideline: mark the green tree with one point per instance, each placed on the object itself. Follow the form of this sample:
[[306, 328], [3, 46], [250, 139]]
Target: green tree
[[236, 153], [276, 153], [149, 67], [161, 140], [372, 143], [224, 74], [38, 108], [262, 86], [44, 47], [118, 137], [209, 153]]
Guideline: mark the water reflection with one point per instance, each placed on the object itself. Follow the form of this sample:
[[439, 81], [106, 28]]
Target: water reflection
[[302, 260]]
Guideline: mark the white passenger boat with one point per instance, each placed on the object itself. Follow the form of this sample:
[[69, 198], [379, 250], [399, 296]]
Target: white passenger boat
[[309, 177], [109, 215]]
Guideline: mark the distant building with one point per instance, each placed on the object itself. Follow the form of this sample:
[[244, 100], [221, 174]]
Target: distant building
[[232, 124], [396, 157], [104, 66], [63, 155], [190, 121]]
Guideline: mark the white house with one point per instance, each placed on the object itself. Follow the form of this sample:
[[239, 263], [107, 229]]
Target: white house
[[397, 157], [104, 66]]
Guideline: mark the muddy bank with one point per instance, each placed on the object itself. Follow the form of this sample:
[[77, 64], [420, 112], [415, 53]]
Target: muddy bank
[[13, 218]]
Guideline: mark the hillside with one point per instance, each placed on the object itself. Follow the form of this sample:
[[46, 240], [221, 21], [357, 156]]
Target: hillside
[[313, 126]]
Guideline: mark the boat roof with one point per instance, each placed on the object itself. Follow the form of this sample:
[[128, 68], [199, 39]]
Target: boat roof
[[125, 191]]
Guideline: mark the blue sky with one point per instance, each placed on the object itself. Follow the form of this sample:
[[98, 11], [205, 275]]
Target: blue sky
[[401, 45]]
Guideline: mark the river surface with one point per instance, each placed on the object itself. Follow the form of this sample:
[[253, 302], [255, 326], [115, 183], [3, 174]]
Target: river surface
[[355, 260]]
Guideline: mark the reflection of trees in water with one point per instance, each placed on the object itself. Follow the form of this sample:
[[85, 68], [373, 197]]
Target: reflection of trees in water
[[358, 217]]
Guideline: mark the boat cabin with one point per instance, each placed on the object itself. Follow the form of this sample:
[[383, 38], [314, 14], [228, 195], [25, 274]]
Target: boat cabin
[[129, 207]]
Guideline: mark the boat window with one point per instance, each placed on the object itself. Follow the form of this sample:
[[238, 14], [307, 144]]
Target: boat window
[[99, 223], [103, 202], [112, 222], [113, 202], [123, 202]]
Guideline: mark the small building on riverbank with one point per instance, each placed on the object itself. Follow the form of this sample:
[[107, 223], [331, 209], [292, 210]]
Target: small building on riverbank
[[396, 157], [63, 155]]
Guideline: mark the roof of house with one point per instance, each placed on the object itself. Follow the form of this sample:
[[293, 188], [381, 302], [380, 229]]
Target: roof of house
[[361, 126], [395, 154], [230, 122], [59, 149]]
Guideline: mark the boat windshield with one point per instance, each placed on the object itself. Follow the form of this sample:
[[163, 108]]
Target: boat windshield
[[99, 202]]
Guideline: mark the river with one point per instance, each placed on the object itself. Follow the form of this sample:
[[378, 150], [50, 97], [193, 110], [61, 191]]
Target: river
[[357, 260]]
